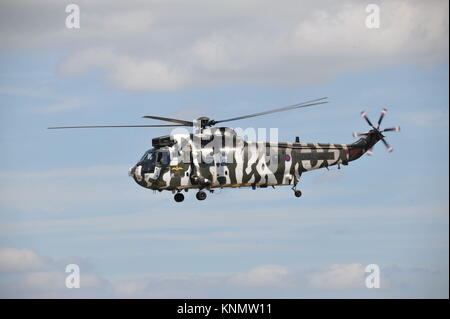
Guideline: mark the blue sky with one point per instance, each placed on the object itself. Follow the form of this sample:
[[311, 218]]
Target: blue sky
[[65, 195]]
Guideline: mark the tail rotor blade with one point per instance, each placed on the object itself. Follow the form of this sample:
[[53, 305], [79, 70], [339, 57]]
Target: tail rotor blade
[[364, 115], [389, 148], [392, 129], [383, 113]]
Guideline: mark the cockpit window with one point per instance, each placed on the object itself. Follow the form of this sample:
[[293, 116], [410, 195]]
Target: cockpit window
[[162, 158], [149, 155]]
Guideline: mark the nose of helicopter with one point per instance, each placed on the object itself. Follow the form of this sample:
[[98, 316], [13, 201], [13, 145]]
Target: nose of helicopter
[[135, 173], [131, 170]]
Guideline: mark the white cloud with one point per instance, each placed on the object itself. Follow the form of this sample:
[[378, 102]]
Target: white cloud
[[126, 72], [116, 24], [19, 260], [48, 281], [262, 276], [26, 274], [51, 284], [129, 288], [150, 46], [339, 276], [316, 46]]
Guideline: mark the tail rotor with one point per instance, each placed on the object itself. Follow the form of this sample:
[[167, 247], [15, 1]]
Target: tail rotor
[[377, 130]]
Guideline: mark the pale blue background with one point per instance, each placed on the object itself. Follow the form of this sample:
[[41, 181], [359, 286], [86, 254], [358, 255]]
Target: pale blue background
[[66, 195]]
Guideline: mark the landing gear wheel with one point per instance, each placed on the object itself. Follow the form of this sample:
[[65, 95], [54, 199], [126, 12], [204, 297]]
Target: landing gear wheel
[[178, 197], [201, 195], [297, 193]]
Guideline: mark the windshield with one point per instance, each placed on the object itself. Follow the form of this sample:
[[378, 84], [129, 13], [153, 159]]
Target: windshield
[[149, 155], [153, 156]]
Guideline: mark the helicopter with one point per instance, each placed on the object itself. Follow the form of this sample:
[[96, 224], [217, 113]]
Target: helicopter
[[213, 157]]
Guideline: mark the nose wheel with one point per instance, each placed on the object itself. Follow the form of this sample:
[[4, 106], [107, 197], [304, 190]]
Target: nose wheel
[[179, 197], [201, 195]]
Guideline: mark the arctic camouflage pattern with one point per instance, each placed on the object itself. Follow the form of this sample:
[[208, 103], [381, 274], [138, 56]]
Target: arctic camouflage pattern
[[219, 158]]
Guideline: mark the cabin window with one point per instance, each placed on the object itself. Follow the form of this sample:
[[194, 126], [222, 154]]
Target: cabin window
[[163, 158]]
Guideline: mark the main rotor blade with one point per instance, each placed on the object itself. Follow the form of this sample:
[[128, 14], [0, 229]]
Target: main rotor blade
[[110, 126], [389, 148], [281, 109], [383, 113], [364, 115], [392, 129], [168, 119]]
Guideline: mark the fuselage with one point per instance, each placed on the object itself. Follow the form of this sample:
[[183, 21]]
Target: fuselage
[[225, 160]]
